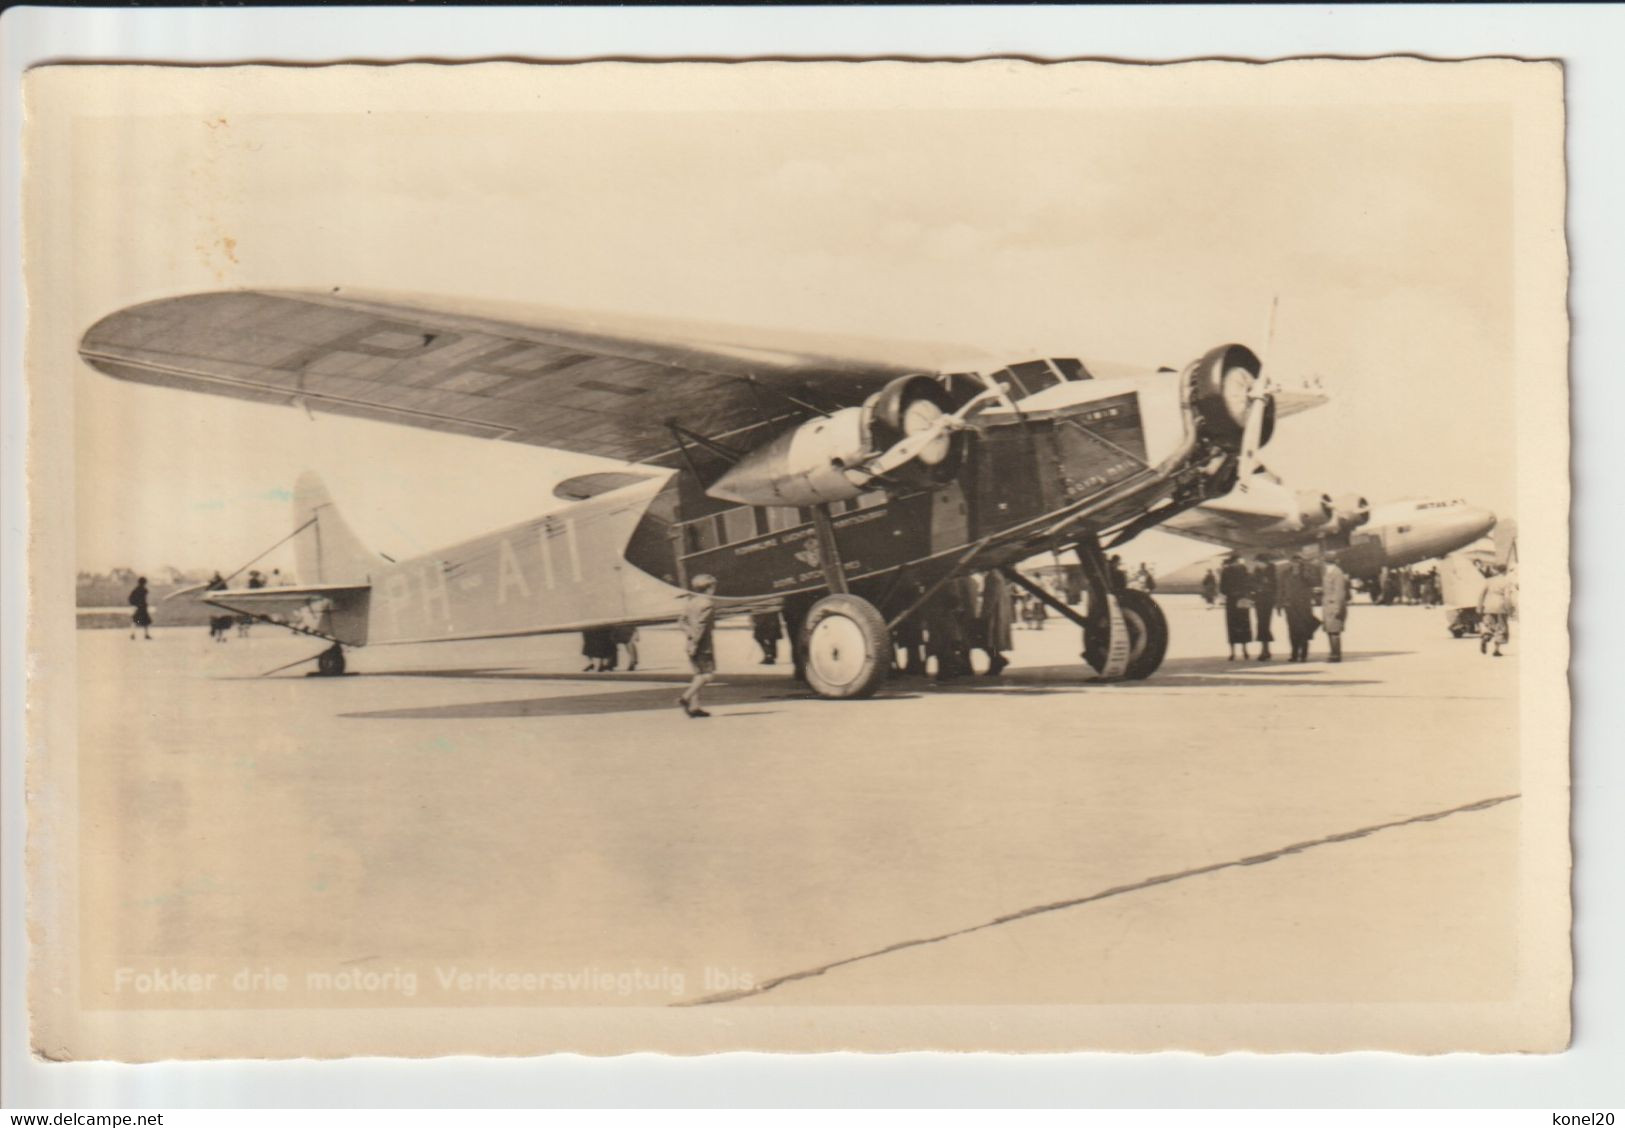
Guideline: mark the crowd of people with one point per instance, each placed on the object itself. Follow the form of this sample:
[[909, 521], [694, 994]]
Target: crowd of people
[[1405, 585], [1255, 593]]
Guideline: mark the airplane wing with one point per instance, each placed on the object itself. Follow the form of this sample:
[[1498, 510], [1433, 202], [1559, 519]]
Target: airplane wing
[[562, 380], [1232, 530]]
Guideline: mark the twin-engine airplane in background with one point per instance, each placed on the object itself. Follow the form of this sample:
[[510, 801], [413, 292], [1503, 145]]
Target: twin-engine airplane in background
[[844, 490]]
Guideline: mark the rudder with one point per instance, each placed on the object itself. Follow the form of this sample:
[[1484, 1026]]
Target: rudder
[[327, 552]]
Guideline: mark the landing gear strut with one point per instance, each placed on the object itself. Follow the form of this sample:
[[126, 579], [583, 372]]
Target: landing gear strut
[[845, 647], [1130, 619], [1126, 634]]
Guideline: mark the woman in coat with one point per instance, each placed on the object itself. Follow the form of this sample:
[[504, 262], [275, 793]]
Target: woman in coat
[[1236, 585], [1334, 606]]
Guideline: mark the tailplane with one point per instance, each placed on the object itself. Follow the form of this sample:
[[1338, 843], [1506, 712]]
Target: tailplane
[[327, 552]]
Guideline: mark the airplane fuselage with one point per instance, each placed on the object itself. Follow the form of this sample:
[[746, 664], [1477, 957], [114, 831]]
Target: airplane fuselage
[[1095, 453], [1397, 535]]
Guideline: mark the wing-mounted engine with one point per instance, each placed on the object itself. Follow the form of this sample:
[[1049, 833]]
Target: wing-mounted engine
[[1349, 512], [1263, 503], [1314, 509], [909, 435]]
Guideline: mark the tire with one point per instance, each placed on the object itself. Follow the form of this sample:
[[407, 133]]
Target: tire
[[330, 662], [1147, 637], [848, 648]]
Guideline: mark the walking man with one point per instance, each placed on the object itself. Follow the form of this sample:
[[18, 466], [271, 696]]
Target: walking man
[[699, 621], [1494, 605]]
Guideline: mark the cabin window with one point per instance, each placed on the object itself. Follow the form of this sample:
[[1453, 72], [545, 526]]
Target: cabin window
[[780, 518], [698, 536], [738, 524]]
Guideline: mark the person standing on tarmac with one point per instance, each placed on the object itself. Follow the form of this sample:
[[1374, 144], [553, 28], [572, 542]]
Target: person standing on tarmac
[[994, 626], [1266, 589], [767, 632], [699, 623], [1236, 586], [627, 635], [1494, 605], [141, 616], [1298, 606], [1334, 607], [1115, 574]]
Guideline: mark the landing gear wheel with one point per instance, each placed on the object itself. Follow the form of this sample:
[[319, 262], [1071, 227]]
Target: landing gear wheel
[[1147, 636], [330, 662], [847, 645]]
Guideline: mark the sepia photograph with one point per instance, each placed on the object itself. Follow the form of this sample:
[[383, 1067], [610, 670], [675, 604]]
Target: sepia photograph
[[797, 556]]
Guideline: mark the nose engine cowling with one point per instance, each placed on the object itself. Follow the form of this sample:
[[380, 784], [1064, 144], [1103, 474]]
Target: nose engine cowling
[[1219, 386]]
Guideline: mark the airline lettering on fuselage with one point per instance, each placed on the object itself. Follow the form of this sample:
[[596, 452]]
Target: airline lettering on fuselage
[[544, 533], [433, 575], [1440, 504], [575, 550], [509, 574], [397, 591]]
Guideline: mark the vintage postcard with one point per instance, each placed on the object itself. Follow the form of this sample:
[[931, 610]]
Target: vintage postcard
[[797, 556]]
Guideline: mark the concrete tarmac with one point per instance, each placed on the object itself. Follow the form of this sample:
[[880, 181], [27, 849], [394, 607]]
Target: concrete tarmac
[[487, 823]]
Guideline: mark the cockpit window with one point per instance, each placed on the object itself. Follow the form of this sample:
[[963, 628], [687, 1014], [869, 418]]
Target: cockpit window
[[1035, 375]]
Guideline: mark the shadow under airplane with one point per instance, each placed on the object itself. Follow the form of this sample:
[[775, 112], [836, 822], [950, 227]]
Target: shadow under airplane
[[628, 696]]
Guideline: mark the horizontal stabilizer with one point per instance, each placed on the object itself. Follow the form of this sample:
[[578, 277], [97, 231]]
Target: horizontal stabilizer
[[274, 597], [335, 611]]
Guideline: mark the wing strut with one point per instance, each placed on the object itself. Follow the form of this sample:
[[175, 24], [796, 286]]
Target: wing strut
[[950, 574]]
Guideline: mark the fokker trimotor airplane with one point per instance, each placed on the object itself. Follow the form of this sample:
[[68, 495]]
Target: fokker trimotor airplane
[[845, 491], [1263, 515]]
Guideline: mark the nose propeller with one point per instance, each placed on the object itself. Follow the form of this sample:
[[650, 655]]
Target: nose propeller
[[1252, 432]]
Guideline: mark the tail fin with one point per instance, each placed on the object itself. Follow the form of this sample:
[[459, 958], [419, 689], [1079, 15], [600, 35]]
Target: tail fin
[[327, 552]]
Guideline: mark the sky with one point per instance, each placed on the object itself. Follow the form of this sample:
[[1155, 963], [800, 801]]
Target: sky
[[1139, 229]]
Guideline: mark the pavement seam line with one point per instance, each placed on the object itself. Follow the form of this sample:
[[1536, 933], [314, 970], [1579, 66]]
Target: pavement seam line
[[1114, 891]]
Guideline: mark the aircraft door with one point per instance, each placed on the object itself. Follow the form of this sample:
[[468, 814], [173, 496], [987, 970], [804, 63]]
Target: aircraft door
[[950, 523]]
